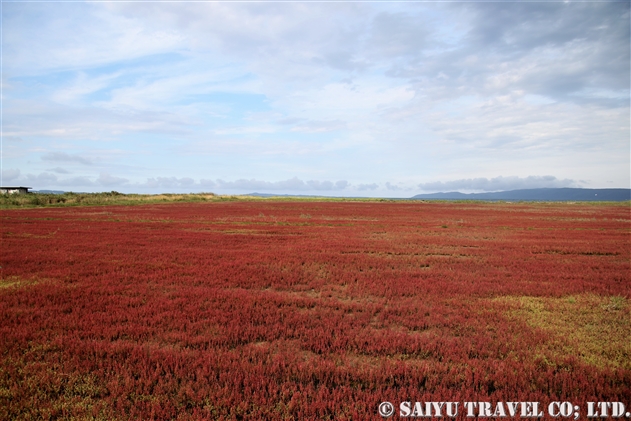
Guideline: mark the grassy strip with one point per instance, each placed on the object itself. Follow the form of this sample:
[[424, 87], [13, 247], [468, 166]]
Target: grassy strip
[[593, 328], [38, 200]]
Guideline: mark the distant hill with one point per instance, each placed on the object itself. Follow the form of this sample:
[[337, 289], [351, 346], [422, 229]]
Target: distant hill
[[551, 195], [48, 191]]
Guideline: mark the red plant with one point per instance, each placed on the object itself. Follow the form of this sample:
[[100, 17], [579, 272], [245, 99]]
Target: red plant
[[309, 310]]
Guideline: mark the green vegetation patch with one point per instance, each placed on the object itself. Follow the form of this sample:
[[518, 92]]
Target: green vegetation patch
[[16, 282], [594, 328], [30, 200]]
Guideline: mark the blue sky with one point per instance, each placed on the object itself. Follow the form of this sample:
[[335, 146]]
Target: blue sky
[[335, 98]]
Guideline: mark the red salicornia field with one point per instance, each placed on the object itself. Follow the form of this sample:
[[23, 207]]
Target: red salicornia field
[[277, 310]]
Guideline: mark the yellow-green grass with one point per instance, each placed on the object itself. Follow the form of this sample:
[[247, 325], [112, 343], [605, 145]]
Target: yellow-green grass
[[595, 329]]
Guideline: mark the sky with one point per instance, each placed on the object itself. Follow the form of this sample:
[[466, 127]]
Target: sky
[[377, 99]]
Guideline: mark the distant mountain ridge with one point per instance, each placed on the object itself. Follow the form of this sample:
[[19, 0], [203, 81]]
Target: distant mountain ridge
[[546, 194]]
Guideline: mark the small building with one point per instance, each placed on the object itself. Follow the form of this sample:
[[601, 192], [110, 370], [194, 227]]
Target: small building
[[14, 190]]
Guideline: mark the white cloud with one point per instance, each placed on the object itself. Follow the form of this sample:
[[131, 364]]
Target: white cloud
[[106, 179], [31, 119], [341, 184], [293, 184], [392, 187], [169, 182], [348, 102], [74, 182], [509, 122], [364, 187], [498, 184], [369, 92], [83, 85], [71, 36], [10, 175], [59, 170], [207, 183], [65, 157], [314, 126], [44, 178]]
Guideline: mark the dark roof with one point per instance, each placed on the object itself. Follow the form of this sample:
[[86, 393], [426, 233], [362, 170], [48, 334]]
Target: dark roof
[[13, 187]]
